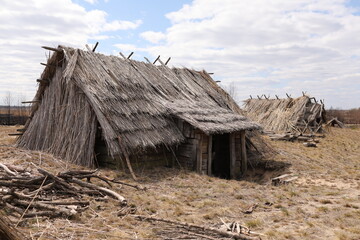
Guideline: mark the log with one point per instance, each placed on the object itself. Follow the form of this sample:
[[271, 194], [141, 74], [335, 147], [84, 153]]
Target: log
[[7, 231]]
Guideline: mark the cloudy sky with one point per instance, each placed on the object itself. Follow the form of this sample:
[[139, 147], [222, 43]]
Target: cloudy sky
[[257, 47]]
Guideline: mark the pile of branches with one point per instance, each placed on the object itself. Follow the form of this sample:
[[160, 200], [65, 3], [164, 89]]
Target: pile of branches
[[26, 195], [170, 229]]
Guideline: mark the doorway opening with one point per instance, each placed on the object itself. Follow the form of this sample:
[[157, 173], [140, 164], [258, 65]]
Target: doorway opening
[[221, 155]]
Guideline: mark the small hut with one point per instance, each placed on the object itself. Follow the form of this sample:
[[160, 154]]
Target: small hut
[[297, 115], [92, 109]]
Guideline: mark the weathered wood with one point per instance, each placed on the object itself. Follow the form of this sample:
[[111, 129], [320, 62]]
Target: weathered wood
[[96, 44], [199, 154], [52, 49], [232, 155], [7, 231], [156, 59], [34, 101], [44, 81], [206, 229], [243, 153], [209, 170]]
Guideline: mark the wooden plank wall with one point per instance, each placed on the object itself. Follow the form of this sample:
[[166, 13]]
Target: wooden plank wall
[[193, 153]]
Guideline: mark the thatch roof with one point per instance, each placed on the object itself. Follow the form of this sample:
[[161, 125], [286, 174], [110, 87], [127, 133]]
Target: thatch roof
[[135, 104], [286, 115]]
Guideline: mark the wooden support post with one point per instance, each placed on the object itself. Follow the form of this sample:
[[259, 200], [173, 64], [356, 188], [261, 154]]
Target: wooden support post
[[129, 166], [209, 171], [232, 156], [199, 154], [243, 153]]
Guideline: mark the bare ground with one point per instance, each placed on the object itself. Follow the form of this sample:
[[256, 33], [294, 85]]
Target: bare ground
[[323, 203]]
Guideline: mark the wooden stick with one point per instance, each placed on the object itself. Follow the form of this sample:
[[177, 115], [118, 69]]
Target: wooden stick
[[32, 200], [129, 166], [52, 49], [130, 55], [7, 170], [189, 225], [156, 59], [96, 44], [167, 61], [101, 189]]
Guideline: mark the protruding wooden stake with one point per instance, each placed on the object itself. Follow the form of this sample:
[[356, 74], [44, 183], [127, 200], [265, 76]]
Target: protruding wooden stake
[[34, 101], [130, 55], [147, 60], [42, 81], [250, 97], [52, 49], [47, 65], [277, 97], [167, 61], [289, 96], [156, 59], [96, 44]]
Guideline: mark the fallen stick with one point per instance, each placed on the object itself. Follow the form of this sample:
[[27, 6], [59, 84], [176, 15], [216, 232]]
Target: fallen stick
[[7, 170], [101, 189], [189, 225]]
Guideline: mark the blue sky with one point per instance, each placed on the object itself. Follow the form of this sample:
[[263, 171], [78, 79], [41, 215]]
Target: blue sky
[[256, 47]]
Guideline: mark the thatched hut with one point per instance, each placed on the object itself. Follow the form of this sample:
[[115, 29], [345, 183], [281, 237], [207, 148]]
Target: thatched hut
[[92, 109], [299, 115]]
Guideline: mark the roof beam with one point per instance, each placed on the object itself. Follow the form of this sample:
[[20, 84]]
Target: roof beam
[[52, 49]]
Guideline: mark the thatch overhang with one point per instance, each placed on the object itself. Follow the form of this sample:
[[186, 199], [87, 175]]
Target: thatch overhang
[[136, 105], [287, 115]]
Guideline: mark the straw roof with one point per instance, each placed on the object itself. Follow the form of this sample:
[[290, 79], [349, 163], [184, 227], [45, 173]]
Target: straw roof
[[286, 115], [135, 104]]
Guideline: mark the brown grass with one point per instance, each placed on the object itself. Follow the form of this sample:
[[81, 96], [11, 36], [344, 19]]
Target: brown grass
[[322, 204]]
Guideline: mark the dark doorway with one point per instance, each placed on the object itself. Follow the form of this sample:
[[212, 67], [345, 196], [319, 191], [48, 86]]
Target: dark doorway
[[221, 156]]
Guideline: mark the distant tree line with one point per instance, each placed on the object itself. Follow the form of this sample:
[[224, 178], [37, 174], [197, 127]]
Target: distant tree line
[[351, 116], [12, 111]]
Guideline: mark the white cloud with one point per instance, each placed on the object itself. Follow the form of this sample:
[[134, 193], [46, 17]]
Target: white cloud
[[27, 25], [270, 46], [153, 37], [91, 1]]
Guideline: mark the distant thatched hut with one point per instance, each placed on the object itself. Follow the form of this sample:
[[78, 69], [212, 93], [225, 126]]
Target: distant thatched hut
[[298, 115], [90, 109]]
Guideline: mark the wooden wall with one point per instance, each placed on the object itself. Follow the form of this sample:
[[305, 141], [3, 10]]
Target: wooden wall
[[195, 153]]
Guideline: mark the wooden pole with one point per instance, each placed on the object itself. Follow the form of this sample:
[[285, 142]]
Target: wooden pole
[[209, 172], [232, 156], [199, 155], [129, 166], [243, 153], [97, 43]]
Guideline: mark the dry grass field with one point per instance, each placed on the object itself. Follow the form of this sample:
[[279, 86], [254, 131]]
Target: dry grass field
[[323, 203]]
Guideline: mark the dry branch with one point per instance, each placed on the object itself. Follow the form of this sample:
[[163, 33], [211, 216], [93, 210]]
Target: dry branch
[[194, 227]]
